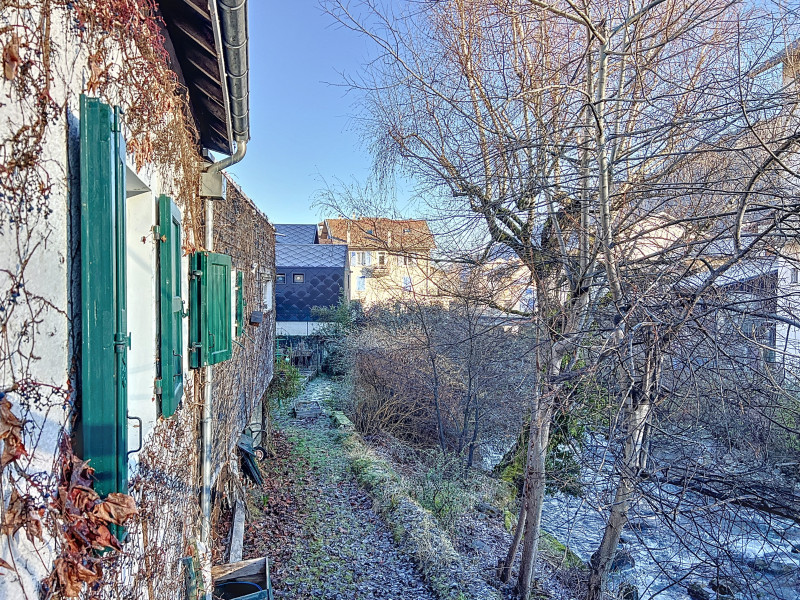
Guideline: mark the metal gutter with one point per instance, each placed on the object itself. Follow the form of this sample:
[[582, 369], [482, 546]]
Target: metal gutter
[[235, 39], [215, 27]]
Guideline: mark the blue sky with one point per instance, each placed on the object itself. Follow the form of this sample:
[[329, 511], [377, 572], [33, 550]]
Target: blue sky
[[300, 125]]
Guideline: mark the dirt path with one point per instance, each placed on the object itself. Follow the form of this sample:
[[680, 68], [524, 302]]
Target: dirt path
[[319, 529]]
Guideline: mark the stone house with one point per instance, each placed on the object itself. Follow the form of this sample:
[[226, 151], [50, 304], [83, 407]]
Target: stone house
[[136, 291]]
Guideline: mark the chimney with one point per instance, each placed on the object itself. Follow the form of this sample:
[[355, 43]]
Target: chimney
[[348, 233]]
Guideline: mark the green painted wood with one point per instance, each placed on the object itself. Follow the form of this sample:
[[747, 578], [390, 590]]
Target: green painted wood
[[196, 320], [210, 309], [122, 340], [104, 343], [220, 308], [170, 306], [239, 303]]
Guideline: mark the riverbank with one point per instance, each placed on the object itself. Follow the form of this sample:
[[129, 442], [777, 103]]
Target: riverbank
[[338, 520]]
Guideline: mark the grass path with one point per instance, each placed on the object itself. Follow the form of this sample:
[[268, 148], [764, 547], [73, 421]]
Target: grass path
[[317, 526]]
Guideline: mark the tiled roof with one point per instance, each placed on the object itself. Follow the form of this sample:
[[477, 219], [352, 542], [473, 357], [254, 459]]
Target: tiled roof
[[310, 255], [406, 234], [321, 287], [296, 234]]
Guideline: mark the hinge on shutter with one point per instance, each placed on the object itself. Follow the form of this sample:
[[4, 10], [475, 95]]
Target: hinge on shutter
[[195, 274], [157, 234], [121, 341]]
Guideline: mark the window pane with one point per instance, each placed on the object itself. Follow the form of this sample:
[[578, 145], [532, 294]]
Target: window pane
[[407, 283], [361, 284]]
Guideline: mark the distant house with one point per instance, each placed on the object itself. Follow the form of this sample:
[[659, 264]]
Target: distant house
[[389, 259], [308, 275]]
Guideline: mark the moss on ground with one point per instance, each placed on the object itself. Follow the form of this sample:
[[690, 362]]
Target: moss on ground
[[556, 553]]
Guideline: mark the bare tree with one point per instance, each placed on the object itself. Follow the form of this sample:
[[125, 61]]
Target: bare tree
[[623, 151]]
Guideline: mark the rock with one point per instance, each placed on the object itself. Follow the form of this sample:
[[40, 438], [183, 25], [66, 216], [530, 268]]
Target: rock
[[340, 421], [724, 586], [696, 591], [628, 591], [306, 409], [640, 525], [622, 560], [488, 509], [770, 567]]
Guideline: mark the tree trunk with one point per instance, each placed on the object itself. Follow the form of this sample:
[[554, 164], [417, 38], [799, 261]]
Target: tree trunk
[[637, 418], [535, 482], [505, 567]]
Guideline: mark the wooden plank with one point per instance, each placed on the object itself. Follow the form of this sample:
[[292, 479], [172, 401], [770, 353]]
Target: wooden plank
[[237, 533], [253, 570]]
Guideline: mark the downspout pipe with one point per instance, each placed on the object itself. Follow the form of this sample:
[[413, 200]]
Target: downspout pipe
[[205, 423], [230, 23]]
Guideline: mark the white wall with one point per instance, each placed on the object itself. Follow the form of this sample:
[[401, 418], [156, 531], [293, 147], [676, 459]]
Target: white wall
[[298, 327]]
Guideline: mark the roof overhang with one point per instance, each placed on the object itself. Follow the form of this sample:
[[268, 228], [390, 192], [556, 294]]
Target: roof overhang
[[213, 69]]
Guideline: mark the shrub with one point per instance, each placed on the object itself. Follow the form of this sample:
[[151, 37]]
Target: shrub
[[442, 489]]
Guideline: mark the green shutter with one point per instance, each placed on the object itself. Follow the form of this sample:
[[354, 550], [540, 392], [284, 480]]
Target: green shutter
[[210, 309], [170, 306], [104, 343], [239, 303]]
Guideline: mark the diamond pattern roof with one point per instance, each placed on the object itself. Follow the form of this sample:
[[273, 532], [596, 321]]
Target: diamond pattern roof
[[310, 255], [296, 234]]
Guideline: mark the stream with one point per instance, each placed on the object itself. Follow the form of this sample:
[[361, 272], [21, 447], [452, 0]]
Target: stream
[[680, 544]]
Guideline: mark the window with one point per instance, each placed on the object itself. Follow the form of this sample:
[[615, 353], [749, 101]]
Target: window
[[366, 258], [370, 232], [238, 286], [211, 309], [170, 307], [407, 284], [409, 261], [280, 278], [267, 292], [794, 275], [406, 230], [527, 302], [104, 343], [382, 259], [361, 284], [298, 278]]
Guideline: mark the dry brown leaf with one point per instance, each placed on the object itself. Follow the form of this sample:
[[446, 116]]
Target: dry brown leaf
[[14, 514], [13, 449], [97, 73], [11, 58], [117, 508], [5, 565], [83, 499], [103, 539], [11, 434], [80, 473]]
